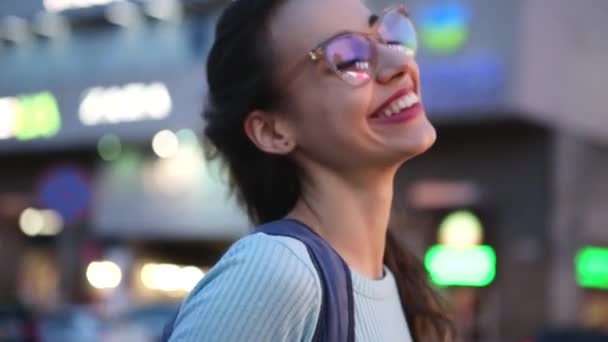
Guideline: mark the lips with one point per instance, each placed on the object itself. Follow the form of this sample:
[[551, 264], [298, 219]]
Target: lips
[[402, 101]]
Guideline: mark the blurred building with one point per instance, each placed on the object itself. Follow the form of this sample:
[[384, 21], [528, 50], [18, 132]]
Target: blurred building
[[515, 89], [105, 196]]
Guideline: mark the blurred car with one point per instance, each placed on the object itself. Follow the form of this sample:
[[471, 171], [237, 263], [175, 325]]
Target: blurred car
[[74, 324], [17, 325], [142, 324]]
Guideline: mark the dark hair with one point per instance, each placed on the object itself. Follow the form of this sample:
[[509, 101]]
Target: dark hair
[[240, 77]]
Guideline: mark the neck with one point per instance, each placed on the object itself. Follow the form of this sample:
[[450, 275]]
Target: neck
[[351, 215]]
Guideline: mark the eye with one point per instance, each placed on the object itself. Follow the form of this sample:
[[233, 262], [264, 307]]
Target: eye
[[353, 65]]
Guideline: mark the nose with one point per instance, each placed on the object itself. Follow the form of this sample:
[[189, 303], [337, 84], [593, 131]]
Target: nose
[[393, 63]]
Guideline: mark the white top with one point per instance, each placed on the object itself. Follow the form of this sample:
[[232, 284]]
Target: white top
[[266, 288]]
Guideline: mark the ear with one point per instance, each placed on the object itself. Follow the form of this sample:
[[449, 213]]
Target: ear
[[270, 132]]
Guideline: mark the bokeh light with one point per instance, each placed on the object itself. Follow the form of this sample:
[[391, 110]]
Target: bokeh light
[[170, 277], [109, 147], [31, 222], [461, 266], [165, 144], [104, 275], [461, 228]]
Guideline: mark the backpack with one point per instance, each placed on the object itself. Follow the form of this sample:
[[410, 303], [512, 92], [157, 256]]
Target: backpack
[[336, 318]]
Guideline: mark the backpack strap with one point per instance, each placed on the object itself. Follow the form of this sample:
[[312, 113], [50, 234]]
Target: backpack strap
[[336, 319]]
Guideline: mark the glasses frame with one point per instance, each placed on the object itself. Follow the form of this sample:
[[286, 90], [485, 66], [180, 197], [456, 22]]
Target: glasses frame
[[373, 38]]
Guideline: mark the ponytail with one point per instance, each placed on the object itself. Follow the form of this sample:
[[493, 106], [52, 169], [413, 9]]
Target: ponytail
[[424, 310]]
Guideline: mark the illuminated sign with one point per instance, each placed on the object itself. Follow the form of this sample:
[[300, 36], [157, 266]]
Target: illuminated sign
[[62, 5], [29, 117], [592, 267], [461, 266], [444, 28], [128, 103]]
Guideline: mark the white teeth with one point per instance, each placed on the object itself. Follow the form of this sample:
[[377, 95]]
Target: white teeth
[[413, 98], [408, 102], [400, 104]]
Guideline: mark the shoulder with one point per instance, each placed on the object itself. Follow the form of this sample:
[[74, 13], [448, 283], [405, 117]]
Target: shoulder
[[259, 279], [268, 255], [252, 244]]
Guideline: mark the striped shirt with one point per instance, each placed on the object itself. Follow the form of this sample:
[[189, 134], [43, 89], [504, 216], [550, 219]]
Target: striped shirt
[[266, 289]]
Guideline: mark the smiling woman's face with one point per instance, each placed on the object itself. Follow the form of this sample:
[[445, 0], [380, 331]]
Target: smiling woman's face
[[333, 123]]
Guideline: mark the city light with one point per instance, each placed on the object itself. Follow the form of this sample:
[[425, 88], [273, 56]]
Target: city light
[[9, 110], [165, 144], [104, 274], [53, 222], [461, 266], [34, 222], [170, 277], [109, 147], [62, 5], [176, 174], [29, 117], [31, 222], [127, 103], [461, 229], [189, 277], [444, 28], [592, 267]]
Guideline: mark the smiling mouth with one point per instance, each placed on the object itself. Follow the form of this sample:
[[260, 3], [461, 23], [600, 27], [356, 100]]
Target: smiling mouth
[[401, 101]]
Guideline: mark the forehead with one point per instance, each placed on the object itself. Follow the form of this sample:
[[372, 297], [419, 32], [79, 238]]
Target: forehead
[[300, 25]]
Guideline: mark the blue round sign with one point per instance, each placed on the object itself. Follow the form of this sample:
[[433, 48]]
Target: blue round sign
[[66, 190]]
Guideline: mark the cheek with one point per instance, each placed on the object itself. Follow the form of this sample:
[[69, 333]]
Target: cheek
[[346, 110], [342, 128], [350, 106], [332, 119]]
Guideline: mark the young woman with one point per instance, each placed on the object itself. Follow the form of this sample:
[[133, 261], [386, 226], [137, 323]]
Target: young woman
[[314, 105]]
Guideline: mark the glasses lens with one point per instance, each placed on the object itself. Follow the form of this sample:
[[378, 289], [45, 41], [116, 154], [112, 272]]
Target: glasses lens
[[397, 28], [351, 56]]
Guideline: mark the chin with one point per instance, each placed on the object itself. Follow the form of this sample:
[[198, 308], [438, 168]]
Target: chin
[[407, 144], [429, 140], [418, 142]]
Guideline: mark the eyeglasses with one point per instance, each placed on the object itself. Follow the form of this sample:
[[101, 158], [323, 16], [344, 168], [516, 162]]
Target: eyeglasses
[[353, 55]]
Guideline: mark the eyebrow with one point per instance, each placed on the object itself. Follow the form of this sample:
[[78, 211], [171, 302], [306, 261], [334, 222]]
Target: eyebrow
[[373, 19]]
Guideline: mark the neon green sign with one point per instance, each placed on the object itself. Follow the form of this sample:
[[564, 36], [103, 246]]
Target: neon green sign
[[29, 117], [592, 268], [473, 266]]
